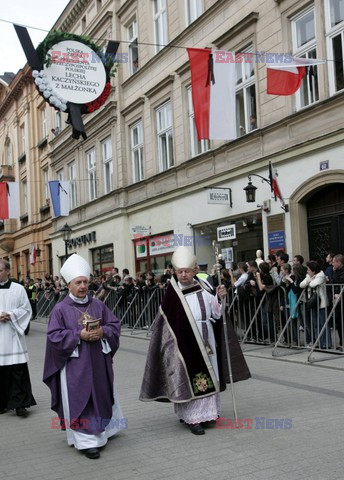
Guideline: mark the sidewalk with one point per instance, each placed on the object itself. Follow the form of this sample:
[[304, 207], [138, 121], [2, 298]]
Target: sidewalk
[[308, 398]]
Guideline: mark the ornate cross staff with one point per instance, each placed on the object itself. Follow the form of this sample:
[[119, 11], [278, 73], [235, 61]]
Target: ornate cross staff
[[223, 305]]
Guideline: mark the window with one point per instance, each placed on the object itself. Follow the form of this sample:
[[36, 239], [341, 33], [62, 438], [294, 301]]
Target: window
[[133, 48], [60, 175], [136, 141], [46, 185], [103, 258], [22, 138], [107, 164], [335, 44], [197, 146], [160, 23], [72, 188], [165, 136], [91, 174], [8, 152], [24, 197], [194, 10], [44, 123], [58, 121], [245, 95], [304, 46]]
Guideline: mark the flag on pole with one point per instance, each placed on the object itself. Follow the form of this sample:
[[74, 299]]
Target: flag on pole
[[274, 184], [32, 255], [59, 192], [213, 78], [286, 78], [9, 200]]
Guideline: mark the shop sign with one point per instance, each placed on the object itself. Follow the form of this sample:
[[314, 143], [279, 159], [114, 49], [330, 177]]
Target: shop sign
[[142, 230], [227, 255], [276, 241], [82, 240], [226, 233], [160, 244], [218, 196]]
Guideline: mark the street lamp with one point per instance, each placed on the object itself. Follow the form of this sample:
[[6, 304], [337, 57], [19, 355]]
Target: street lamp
[[66, 234], [250, 189]]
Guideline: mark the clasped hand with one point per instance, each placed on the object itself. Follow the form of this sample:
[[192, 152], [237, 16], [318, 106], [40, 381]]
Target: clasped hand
[[5, 317], [91, 336]]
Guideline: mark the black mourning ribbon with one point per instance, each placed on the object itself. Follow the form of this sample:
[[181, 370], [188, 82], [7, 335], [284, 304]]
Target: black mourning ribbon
[[62, 189], [74, 116], [211, 76]]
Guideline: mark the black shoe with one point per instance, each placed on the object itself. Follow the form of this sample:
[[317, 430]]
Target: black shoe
[[209, 423], [196, 428], [3, 410], [92, 453], [21, 412]]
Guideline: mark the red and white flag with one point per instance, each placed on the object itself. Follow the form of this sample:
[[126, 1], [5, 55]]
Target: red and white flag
[[286, 78], [9, 200], [213, 93], [32, 255], [274, 184]]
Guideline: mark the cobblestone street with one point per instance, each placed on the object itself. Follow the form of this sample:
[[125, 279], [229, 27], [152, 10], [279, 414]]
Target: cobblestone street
[[309, 399]]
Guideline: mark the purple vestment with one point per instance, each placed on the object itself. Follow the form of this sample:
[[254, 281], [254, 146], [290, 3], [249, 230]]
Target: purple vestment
[[89, 371]]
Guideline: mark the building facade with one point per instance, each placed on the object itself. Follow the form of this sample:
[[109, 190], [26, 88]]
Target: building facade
[[142, 169]]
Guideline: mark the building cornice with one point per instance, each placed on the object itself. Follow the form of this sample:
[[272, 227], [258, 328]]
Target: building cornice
[[126, 5], [136, 104], [247, 21], [157, 88]]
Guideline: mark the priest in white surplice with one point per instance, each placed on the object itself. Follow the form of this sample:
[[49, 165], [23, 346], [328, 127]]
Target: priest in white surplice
[[15, 314]]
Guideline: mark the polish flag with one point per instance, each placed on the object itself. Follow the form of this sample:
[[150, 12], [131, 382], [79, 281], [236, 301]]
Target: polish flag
[[213, 79], [274, 184], [9, 200], [286, 78], [32, 255], [59, 192]]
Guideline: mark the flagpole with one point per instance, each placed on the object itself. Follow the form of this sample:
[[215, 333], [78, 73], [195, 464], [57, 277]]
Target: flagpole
[[223, 307]]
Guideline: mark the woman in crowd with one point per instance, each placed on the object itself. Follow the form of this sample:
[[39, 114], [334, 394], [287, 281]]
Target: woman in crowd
[[315, 283]]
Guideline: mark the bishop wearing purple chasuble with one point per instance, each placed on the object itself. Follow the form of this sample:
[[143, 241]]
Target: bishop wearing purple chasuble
[[83, 336]]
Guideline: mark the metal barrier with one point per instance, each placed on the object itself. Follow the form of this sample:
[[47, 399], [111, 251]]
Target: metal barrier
[[47, 300], [260, 319]]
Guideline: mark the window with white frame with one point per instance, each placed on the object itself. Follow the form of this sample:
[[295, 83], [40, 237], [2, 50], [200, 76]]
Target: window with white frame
[[194, 10], [24, 197], [160, 23], [133, 48], [8, 150], [60, 175], [91, 174], [245, 95], [197, 146], [165, 136], [44, 123], [136, 144], [73, 186], [107, 164], [335, 43], [46, 185], [22, 138], [304, 46], [58, 122]]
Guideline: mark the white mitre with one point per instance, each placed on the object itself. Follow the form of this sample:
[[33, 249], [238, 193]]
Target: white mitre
[[75, 266], [183, 258]]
